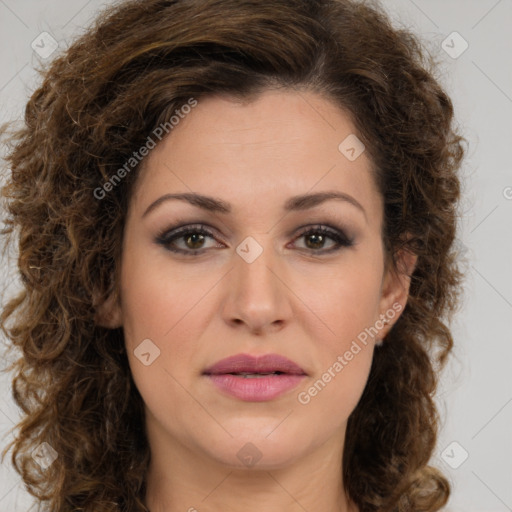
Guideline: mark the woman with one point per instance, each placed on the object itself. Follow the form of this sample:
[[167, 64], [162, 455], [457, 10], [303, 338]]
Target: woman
[[235, 224]]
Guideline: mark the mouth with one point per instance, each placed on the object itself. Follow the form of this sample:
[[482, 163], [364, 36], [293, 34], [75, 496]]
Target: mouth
[[255, 379], [248, 375], [254, 366]]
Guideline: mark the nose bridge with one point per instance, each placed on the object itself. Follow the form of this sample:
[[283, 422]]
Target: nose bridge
[[256, 263], [257, 295]]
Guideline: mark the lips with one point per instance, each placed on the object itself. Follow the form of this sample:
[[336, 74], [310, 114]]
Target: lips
[[255, 379], [250, 366]]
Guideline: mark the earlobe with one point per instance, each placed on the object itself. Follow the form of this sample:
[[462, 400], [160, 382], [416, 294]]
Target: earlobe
[[108, 313]]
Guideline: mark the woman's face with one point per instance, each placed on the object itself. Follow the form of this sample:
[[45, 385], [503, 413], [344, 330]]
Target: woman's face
[[252, 282]]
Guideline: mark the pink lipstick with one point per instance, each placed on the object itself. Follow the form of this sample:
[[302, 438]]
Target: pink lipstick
[[255, 379]]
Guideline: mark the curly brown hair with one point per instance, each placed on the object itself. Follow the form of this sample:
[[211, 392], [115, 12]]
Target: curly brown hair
[[98, 102]]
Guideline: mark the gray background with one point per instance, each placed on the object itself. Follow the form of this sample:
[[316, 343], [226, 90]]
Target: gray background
[[475, 395]]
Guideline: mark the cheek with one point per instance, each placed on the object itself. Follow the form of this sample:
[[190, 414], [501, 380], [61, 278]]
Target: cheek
[[157, 318], [347, 305], [159, 298], [325, 404], [345, 301], [165, 312], [345, 341]]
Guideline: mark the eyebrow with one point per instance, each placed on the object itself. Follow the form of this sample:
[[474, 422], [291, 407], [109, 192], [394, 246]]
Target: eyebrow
[[295, 203]]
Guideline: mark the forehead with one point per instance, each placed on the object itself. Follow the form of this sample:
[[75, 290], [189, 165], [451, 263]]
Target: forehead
[[280, 144]]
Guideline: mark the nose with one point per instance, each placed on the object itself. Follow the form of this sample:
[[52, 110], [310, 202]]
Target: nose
[[257, 298]]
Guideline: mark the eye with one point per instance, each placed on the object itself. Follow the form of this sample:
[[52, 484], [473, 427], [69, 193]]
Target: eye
[[194, 237], [315, 238]]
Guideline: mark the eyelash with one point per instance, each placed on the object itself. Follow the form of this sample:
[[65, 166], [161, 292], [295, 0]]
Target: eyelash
[[168, 236]]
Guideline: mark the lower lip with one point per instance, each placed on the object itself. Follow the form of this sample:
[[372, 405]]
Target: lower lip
[[256, 389]]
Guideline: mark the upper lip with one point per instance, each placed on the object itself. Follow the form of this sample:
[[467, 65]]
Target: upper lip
[[255, 364]]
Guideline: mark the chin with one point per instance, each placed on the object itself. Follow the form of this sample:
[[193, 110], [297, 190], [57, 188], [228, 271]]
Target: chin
[[254, 449]]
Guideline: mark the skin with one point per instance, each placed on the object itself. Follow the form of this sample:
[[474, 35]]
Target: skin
[[291, 300]]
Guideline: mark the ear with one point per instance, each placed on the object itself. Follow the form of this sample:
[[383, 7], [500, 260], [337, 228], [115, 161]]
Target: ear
[[395, 287], [108, 313]]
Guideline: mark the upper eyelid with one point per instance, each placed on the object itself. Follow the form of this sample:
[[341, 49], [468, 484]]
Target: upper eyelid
[[198, 226], [183, 229]]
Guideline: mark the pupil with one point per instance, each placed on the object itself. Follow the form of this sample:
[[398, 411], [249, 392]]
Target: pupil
[[193, 236], [319, 242]]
